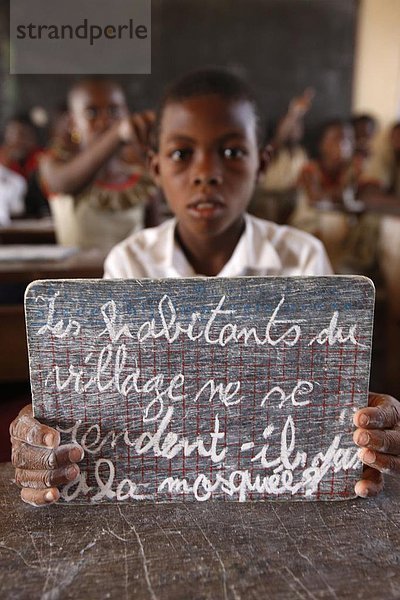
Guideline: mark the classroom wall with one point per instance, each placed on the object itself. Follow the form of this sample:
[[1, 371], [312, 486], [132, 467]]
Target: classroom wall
[[282, 46], [377, 60]]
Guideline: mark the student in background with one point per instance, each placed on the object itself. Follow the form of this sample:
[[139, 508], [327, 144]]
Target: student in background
[[275, 196], [381, 193], [206, 159], [97, 195], [20, 150], [21, 153], [12, 193], [328, 187], [383, 171], [364, 127]]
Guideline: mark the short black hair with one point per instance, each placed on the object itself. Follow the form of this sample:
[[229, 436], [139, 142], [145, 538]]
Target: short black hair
[[364, 118], [203, 82], [91, 80], [23, 118], [319, 132]]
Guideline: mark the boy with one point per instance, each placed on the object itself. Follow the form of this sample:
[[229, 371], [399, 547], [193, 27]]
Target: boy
[[98, 188], [207, 161]]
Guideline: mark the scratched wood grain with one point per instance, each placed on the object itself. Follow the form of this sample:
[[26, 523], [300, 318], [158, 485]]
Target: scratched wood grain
[[202, 551], [195, 389]]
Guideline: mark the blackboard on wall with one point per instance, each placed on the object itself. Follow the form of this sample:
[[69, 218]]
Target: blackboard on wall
[[281, 46]]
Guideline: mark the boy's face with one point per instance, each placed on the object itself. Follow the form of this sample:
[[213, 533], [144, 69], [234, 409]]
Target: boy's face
[[207, 162], [337, 143], [20, 139], [94, 107]]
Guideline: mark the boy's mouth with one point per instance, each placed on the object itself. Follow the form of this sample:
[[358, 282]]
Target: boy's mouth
[[206, 206]]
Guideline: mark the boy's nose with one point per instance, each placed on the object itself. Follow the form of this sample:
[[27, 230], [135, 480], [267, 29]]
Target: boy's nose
[[102, 123], [207, 172], [207, 179]]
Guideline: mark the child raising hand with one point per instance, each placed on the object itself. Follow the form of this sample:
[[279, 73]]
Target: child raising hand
[[100, 192]]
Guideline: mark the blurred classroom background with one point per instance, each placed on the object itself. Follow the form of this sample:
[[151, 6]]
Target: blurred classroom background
[[327, 77]]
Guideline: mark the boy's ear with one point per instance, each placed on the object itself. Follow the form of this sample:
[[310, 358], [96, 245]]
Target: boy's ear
[[153, 164], [264, 158]]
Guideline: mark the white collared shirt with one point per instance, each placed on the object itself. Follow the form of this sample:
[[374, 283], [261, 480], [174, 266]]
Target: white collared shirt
[[264, 249]]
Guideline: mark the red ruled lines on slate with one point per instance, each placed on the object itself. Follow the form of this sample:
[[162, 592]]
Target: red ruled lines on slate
[[176, 354], [169, 425], [183, 364], [197, 408], [140, 366], [226, 380], [338, 393], [86, 455], [249, 453], [300, 348], [211, 414], [239, 466]]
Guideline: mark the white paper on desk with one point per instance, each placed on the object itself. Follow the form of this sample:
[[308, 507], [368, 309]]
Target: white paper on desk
[[35, 252]]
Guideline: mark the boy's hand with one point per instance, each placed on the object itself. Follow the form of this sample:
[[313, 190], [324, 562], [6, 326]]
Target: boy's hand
[[378, 435], [300, 105], [41, 464], [136, 129]]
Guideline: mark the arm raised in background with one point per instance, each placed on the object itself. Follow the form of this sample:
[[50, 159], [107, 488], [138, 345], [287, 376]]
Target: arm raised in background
[[70, 177]]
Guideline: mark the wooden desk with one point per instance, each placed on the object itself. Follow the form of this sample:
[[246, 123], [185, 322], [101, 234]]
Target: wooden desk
[[207, 551], [14, 277], [28, 231], [85, 263]]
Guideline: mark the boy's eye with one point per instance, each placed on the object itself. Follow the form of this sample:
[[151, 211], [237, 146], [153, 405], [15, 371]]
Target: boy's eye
[[91, 113], [115, 112], [232, 153], [112, 112], [180, 154]]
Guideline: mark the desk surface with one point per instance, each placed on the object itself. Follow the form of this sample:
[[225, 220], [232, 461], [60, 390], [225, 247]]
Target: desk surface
[[207, 551], [84, 263], [28, 231]]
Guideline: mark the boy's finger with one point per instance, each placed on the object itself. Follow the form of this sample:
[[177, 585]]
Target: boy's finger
[[141, 129], [149, 116], [385, 463], [41, 479], [36, 458], [40, 497], [383, 412], [371, 483], [26, 429], [383, 441], [26, 410]]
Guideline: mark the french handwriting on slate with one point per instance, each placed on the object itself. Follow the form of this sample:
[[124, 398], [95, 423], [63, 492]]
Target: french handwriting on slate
[[166, 325], [276, 465]]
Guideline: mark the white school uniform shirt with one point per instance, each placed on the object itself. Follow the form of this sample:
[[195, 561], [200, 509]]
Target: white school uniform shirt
[[12, 193], [264, 249]]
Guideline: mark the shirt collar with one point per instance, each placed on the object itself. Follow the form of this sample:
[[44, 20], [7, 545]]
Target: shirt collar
[[253, 253]]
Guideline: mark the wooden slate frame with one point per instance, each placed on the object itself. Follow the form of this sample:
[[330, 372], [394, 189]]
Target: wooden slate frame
[[206, 388]]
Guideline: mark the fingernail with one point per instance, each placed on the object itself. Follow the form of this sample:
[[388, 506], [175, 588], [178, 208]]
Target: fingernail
[[72, 472], [363, 438], [49, 440], [363, 420], [369, 456], [361, 491], [49, 497], [75, 455]]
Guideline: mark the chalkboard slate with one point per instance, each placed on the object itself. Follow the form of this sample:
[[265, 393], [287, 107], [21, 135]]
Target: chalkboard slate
[[195, 389]]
